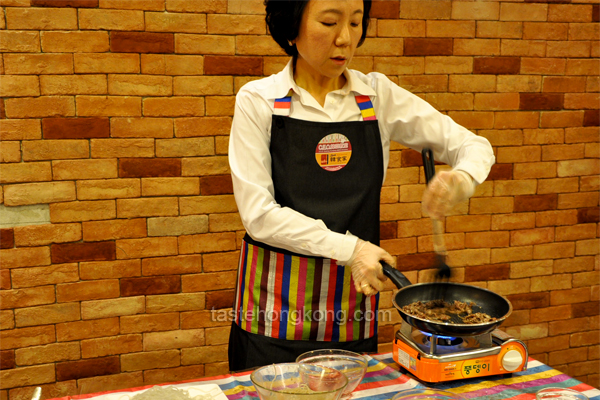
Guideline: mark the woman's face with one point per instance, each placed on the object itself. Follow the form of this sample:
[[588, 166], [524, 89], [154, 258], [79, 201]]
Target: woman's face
[[329, 34]]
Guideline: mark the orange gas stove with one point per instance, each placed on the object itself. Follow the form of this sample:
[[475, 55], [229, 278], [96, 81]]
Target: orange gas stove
[[433, 358]]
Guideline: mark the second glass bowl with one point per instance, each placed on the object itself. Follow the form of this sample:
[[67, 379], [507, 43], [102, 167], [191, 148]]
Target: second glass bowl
[[353, 365], [555, 393]]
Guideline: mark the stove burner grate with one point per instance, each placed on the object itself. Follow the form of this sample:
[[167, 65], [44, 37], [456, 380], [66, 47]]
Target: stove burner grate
[[442, 340]]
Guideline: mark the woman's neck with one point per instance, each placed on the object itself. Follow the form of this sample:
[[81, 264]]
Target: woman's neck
[[317, 85]]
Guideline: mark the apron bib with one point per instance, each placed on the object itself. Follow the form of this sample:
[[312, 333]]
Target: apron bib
[[327, 171]]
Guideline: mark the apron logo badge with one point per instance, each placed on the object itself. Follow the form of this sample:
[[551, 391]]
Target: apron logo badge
[[333, 152]]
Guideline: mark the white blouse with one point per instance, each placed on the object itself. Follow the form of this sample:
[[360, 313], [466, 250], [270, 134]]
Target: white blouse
[[402, 117]]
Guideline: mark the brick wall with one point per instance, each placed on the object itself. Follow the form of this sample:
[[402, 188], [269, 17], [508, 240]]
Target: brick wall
[[116, 114]]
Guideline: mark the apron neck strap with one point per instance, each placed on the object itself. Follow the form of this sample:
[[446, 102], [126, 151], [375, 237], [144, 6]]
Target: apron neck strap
[[283, 106]]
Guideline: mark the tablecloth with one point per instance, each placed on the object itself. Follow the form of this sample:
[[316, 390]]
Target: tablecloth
[[383, 380]]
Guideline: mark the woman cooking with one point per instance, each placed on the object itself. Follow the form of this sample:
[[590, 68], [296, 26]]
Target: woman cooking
[[308, 152]]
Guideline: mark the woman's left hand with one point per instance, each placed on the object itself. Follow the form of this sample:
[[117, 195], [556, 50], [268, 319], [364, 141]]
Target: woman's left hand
[[446, 190]]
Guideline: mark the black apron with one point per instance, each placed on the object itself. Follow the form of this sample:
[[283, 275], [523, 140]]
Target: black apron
[[328, 171]]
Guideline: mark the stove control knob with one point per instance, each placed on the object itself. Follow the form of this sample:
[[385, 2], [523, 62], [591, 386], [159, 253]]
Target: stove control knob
[[512, 360]]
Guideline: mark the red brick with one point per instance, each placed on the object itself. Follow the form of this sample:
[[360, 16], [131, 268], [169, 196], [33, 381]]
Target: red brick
[[536, 202], [388, 230], [538, 101], [501, 172], [591, 118], [427, 47], [497, 65], [219, 299], [147, 286], [233, 65], [415, 262], [141, 42], [7, 238], [483, 273], [411, 158], [65, 3], [144, 167], [7, 359], [596, 13], [385, 9], [75, 252], [585, 309], [75, 128], [588, 215], [528, 301], [87, 368], [216, 184]]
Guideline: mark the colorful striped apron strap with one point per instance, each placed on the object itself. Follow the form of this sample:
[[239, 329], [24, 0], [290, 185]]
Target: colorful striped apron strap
[[366, 107], [283, 106]]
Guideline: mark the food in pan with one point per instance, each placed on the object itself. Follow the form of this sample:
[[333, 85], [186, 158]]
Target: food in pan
[[442, 311]]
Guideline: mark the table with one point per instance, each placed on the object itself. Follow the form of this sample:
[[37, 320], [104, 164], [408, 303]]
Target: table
[[383, 380]]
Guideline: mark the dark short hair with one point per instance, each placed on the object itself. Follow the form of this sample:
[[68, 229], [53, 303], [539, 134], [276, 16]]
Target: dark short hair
[[284, 17]]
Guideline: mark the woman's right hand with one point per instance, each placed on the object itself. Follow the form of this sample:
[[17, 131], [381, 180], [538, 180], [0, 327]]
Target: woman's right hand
[[367, 271]]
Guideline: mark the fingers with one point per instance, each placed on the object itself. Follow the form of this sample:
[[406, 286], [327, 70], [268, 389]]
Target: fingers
[[446, 190], [367, 271], [437, 198]]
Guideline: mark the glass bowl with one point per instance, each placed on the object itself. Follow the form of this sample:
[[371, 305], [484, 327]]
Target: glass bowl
[[427, 394], [353, 365], [294, 381], [556, 393]]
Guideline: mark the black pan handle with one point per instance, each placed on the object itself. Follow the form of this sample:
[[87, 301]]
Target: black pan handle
[[395, 276], [428, 164]]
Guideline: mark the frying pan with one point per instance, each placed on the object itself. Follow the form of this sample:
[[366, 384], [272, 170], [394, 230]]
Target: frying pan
[[484, 300]]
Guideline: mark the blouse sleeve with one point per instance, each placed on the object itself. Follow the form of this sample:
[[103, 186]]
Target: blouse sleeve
[[264, 219], [412, 122]]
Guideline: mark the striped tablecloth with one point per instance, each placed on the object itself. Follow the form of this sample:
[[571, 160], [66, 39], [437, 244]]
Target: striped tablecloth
[[383, 380]]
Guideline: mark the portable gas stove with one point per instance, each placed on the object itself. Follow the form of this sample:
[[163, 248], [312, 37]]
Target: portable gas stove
[[433, 358]]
